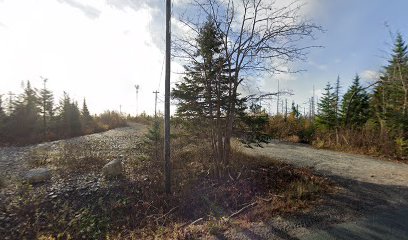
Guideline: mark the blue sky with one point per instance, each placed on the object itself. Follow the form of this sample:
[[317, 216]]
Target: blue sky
[[357, 41], [100, 49]]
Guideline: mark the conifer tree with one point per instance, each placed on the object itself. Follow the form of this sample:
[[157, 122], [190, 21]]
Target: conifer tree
[[355, 105], [390, 98], [69, 117], [204, 83], [24, 122], [326, 118], [46, 100], [86, 119]]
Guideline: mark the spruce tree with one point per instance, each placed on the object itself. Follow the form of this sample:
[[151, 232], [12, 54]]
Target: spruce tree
[[69, 117], [204, 83], [87, 121], [355, 105], [46, 100], [326, 118], [24, 119], [390, 98]]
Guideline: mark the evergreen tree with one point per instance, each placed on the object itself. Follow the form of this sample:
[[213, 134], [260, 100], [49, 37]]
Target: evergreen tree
[[85, 112], [355, 105], [87, 121], [390, 98], [69, 118], [204, 85], [326, 118], [24, 121], [46, 100]]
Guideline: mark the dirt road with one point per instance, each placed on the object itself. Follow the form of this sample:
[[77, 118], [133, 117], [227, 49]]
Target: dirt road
[[372, 203]]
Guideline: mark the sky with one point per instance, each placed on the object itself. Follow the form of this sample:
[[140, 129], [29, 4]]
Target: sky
[[101, 49]]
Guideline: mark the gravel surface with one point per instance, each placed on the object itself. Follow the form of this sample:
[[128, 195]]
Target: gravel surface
[[372, 193], [367, 186], [15, 161]]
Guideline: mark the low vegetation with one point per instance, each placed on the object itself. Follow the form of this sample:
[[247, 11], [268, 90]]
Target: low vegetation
[[135, 206]]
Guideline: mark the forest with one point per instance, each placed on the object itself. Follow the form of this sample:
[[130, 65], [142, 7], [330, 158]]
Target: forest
[[32, 117]]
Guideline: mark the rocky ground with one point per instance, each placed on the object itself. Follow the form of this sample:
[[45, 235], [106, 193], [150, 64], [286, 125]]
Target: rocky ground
[[75, 182], [365, 187]]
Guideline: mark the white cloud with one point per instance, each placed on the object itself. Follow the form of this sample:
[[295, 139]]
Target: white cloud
[[99, 55], [369, 75]]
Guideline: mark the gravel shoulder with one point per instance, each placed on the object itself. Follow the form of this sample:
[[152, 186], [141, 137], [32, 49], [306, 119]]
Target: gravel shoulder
[[352, 166], [372, 201]]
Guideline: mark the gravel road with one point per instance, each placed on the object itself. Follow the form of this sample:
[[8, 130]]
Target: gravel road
[[372, 202], [15, 161]]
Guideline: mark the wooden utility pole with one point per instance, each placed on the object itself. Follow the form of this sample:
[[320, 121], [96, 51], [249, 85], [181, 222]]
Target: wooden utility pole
[[167, 164]]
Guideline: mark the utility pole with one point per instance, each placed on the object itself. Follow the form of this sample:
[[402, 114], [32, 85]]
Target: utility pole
[[120, 109], [167, 166], [137, 93], [155, 104]]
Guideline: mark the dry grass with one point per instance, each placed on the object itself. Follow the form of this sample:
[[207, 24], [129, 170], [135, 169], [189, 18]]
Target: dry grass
[[136, 206]]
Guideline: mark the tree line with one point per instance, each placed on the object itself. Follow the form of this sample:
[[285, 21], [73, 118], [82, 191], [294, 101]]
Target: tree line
[[377, 113], [32, 116], [370, 119]]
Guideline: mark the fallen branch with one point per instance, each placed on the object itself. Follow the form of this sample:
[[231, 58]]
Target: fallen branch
[[271, 198], [192, 223], [241, 210]]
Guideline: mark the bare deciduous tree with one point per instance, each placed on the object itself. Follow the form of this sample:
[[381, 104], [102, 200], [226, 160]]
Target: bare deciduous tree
[[258, 36]]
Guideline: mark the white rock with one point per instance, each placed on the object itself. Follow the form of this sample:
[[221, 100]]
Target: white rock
[[38, 175], [113, 169]]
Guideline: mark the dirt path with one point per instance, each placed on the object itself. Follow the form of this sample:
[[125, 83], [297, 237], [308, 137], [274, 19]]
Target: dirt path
[[372, 203]]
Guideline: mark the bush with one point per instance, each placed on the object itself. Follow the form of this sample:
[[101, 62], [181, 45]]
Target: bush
[[109, 120]]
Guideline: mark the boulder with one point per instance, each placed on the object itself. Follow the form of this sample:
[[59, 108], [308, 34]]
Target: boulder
[[38, 175], [113, 169]]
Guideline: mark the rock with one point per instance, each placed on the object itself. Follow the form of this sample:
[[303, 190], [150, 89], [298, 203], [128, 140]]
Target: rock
[[38, 175], [113, 169]]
